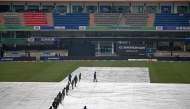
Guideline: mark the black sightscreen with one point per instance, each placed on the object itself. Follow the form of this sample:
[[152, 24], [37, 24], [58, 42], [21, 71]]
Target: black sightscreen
[[81, 50]]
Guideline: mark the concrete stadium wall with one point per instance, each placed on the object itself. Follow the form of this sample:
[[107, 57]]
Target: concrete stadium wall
[[96, 4], [11, 59], [126, 58]]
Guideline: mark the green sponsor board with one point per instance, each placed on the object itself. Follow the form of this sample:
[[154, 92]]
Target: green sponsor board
[[7, 28], [3, 28], [96, 28], [14, 39], [131, 28]]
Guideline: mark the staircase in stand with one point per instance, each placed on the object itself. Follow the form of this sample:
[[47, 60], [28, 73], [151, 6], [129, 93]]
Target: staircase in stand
[[91, 19], [49, 19], [22, 19], [150, 20], [2, 21]]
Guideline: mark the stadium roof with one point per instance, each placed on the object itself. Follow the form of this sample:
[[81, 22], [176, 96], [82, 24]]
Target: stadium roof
[[95, 1]]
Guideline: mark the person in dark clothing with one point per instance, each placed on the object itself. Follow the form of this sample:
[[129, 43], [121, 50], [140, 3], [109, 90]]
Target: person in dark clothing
[[67, 89], [72, 83], [95, 79], [69, 84], [85, 107], [60, 97], [76, 79], [63, 93], [28, 54], [54, 104], [70, 78], [57, 101], [50, 107], [79, 77]]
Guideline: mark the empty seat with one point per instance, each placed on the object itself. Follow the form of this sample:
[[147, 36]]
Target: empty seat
[[171, 20], [106, 19], [35, 19], [136, 19], [71, 19], [11, 19]]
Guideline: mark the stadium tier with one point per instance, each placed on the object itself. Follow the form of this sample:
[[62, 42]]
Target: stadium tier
[[171, 19], [136, 19], [11, 19], [35, 19], [93, 19], [71, 19], [106, 19]]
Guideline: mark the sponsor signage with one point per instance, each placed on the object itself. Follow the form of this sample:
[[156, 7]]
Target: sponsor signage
[[59, 27], [52, 27], [51, 58], [20, 28], [30, 39], [7, 28], [36, 27], [159, 28], [82, 27], [131, 49], [142, 59], [72, 27], [182, 28], [126, 28], [8, 59], [186, 40], [131, 28], [14, 39], [46, 39], [176, 28]]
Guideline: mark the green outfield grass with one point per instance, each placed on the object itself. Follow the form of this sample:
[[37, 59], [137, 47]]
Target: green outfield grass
[[160, 72]]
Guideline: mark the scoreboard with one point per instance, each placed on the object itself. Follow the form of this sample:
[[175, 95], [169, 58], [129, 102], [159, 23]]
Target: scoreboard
[[131, 49]]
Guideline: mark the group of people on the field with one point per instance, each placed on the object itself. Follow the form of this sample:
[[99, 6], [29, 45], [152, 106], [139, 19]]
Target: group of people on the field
[[61, 95]]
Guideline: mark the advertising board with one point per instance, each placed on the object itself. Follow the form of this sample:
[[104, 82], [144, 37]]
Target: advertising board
[[131, 50]]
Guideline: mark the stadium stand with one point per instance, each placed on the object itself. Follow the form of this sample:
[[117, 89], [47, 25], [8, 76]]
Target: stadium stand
[[35, 19], [136, 19], [11, 19], [33, 47], [106, 19], [35, 50], [171, 19], [71, 19], [36, 53]]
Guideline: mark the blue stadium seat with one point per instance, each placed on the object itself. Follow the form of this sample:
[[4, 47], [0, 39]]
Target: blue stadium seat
[[71, 19], [46, 52], [14, 52], [162, 19]]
